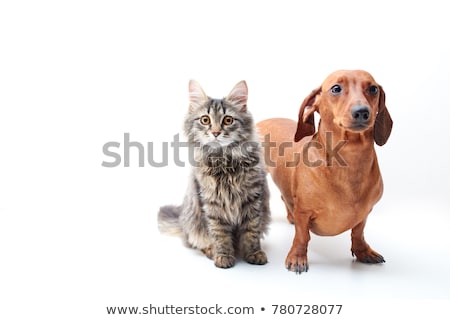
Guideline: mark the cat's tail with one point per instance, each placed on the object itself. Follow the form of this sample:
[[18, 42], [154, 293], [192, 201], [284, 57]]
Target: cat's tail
[[168, 220]]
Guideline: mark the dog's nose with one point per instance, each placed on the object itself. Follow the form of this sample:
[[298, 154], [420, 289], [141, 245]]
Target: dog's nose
[[360, 114]]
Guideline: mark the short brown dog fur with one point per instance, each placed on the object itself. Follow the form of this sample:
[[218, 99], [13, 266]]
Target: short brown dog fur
[[330, 180]]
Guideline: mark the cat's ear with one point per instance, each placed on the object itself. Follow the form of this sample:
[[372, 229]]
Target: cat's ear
[[239, 95], [197, 96]]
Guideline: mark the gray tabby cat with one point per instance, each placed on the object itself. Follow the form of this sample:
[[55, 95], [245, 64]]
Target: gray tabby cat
[[226, 207]]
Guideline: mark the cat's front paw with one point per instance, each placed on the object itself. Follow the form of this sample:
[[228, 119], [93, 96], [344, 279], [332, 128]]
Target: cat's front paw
[[224, 261], [209, 252], [258, 257]]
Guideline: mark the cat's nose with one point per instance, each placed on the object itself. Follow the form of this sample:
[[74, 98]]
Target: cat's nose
[[215, 133]]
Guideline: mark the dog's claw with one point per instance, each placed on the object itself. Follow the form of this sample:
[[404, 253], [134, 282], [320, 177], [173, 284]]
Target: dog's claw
[[297, 261], [368, 256], [298, 268], [301, 268]]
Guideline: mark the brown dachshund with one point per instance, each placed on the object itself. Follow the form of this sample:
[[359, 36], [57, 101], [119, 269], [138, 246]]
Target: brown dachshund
[[330, 180]]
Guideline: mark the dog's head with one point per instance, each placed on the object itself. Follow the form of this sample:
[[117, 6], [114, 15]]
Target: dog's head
[[350, 100]]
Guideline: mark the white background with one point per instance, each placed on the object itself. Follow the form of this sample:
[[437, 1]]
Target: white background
[[76, 237]]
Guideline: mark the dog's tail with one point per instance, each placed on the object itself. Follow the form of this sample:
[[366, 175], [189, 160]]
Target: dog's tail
[[168, 220]]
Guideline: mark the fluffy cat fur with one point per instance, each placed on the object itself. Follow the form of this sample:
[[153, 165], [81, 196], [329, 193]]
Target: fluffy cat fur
[[226, 206]]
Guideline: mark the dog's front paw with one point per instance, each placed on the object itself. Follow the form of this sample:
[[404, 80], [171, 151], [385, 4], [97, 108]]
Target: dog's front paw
[[297, 263], [368, 256], [258, 257], [224, 261]]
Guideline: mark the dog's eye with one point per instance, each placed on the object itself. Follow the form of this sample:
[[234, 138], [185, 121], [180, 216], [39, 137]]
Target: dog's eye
[[336, 90], [228, 120], [205, 120], [373, 90]]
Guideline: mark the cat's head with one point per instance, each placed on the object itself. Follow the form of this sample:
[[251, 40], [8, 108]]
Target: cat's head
[[219, 122]]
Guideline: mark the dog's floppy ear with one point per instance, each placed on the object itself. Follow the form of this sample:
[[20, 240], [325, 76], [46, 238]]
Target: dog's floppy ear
[[305, 125], [383, 121]]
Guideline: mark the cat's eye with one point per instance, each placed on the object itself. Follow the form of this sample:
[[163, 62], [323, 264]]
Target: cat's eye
[[205, 120], [373, 90], [228, 120], [336, 90]]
